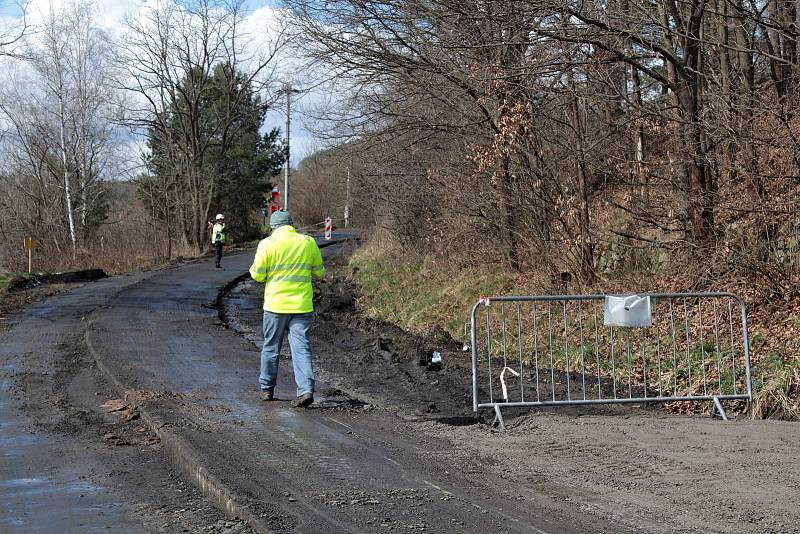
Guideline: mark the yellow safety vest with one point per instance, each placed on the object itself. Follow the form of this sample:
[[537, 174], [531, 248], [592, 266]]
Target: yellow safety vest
[[286, 261], [218, 233]]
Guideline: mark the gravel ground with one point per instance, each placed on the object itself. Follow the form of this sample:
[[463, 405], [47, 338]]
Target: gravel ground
[[655, 472]]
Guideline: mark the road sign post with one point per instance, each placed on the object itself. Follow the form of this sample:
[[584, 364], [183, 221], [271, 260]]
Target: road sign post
[[29, 243], [327, 228]]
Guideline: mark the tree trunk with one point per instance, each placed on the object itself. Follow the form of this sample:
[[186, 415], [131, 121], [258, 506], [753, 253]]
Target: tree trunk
[[63, 150], [585, 266], [508, 215]]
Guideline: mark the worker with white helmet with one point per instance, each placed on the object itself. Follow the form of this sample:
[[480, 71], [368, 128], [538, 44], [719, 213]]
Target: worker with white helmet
[[218, 236]]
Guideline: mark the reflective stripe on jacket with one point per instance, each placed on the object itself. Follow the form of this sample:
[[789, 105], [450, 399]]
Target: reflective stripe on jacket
[[218, 233], [286, 261]]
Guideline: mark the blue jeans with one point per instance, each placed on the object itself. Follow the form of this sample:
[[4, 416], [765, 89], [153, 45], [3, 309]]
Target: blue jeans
[[275, 325]]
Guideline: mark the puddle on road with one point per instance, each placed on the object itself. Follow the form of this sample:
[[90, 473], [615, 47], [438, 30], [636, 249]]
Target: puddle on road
[[29, 487]]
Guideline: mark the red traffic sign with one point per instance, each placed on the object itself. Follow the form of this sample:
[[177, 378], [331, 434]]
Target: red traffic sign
[[328, 225]]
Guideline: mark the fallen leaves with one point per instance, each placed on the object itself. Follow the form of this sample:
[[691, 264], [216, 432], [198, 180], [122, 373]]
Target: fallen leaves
[[128, 411], [114, 405]]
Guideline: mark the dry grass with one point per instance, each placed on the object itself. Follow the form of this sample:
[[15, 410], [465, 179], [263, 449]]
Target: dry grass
[[128, 242], [780, 396], [419, 294]]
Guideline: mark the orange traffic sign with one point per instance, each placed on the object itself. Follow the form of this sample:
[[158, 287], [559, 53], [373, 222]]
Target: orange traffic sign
[[29, 243]]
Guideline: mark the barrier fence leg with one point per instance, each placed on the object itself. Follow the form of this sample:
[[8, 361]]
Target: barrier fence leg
[[498, 418], [719, 409]]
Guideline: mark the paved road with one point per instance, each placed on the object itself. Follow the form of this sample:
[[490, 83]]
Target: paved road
[[57, 474], [328, 468], [336, 467]]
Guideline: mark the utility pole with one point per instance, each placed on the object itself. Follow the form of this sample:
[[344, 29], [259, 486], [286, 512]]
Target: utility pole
[[288, 91], [347, 206]]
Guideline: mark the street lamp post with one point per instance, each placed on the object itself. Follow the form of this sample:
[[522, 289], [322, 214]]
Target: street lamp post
[[288, 91]]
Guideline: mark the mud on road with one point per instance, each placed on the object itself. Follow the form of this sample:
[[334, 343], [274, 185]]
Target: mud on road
[[635, 466], [343, 465], [68, 463], [371, 363]]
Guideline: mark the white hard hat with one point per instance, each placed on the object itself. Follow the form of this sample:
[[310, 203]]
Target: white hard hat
[[219, 216]]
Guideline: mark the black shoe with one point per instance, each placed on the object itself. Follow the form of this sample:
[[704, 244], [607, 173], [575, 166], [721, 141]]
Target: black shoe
[[218, 267], [267, 394], [303, 401]]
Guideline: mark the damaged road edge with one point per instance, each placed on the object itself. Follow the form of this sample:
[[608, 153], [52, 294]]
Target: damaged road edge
[[181, 454]]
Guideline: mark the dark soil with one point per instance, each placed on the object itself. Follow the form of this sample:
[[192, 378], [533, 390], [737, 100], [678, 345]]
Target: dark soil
[[373, 362], [26, 282], [11, 301]]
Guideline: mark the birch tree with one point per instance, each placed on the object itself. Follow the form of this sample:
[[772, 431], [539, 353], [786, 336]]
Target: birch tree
[[57, 103]]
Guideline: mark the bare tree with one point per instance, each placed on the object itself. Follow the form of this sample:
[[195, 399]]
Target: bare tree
[[578, 135], [13, 34], [60, 132]]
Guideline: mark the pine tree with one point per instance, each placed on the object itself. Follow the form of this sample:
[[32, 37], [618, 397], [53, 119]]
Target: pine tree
[[214, 139]]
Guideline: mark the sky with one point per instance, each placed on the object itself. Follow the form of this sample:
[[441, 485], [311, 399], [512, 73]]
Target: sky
[[260, 26]]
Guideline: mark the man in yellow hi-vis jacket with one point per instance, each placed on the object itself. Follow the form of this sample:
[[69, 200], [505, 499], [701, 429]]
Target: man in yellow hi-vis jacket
[[285, 262]]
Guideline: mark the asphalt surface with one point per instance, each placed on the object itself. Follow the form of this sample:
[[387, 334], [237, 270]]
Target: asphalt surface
[[57, 472], [157, 340], [336, 466]]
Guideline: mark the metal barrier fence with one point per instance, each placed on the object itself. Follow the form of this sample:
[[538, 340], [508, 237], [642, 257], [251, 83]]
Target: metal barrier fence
[[602, 349]]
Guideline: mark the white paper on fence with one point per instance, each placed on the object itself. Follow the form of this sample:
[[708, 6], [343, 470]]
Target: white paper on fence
[[629, 310], [503, 380]]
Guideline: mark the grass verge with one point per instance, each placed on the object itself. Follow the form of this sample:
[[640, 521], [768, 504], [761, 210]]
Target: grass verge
[[418, 294], [779, 394]]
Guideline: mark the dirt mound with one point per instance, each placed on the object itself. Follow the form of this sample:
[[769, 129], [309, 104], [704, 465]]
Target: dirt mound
[[24, 282], [380, 361]]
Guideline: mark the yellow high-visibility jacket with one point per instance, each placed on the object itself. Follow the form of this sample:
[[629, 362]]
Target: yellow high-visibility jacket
[[286, 261], [218, 233]]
